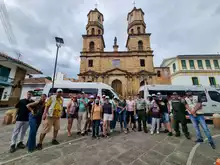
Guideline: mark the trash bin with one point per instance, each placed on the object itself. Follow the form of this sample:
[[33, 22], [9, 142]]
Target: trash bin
[[216, 121]]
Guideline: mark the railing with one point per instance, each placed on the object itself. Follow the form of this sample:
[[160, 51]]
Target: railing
[[7, 79]]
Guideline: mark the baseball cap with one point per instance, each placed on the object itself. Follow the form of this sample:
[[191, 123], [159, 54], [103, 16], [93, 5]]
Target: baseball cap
[[107, 97], [153, 95], [174, 93], [158, 93], [59, 90], [83, 92], [103, 96], [149, 96], [91, 97]]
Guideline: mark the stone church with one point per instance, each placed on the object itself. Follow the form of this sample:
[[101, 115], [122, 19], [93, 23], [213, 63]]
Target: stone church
[[127, 70]]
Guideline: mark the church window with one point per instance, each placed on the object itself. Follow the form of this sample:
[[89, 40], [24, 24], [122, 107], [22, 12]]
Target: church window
[[138, 30], [116, 63], [90, 63], [93, 31], [99, 32], [140, 45], [142, 62], [158, 73], [91, 46], [132, 31]]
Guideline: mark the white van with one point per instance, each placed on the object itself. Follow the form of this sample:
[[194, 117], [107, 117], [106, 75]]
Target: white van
[[210, 94], [68, 87]]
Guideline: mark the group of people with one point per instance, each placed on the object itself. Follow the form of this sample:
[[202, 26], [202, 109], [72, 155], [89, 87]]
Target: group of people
[[100, 116]]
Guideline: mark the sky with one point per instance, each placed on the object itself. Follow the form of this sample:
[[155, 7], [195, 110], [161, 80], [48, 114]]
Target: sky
[[177, 27]]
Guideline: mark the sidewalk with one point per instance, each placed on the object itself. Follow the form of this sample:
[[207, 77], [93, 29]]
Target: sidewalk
[[135, 148]]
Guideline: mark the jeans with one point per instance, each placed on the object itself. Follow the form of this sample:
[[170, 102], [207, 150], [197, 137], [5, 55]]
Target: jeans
[[155, 123], [95, 128], [114, 121], [34, 123], [196, 120], [123, 119]]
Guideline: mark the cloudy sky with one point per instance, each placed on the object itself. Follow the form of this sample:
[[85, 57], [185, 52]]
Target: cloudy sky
[[177, 27]]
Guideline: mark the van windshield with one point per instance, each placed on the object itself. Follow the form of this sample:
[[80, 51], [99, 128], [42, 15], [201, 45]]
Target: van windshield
[[76, 91]]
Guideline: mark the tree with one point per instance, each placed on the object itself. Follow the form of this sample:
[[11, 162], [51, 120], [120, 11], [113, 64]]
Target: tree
[[49, 78]]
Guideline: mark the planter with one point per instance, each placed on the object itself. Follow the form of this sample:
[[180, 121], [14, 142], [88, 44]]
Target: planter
[[216, 121]]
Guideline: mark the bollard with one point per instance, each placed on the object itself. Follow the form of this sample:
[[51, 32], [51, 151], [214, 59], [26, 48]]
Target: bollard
[[216, 121], [217, 162]]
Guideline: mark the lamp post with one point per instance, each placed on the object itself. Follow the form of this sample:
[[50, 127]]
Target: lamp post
[[59, 43]]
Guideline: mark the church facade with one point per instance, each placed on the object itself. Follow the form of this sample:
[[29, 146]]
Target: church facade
[[127, 70]]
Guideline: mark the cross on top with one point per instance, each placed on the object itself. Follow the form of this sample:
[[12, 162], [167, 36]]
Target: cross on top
[[134, 3], [96, 4]]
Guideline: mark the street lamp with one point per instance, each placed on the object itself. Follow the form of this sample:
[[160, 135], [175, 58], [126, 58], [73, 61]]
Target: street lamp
[[59, 43]]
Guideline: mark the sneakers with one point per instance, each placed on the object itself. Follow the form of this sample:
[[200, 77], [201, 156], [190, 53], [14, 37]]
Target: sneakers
[[20, 145], [12, 148], [39, 147], [152, 132], [212, 144], [78, 133], [111, 130], [166, 131], [187, 136], [199, 141], [55, 142], [170, 134], [158, 132]]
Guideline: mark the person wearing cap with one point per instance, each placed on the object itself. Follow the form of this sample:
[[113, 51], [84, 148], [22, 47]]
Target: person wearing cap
[[96, 116], [122, 115], [164, 107], [194, 108], [72, 112], [82, 115], [52, 115], [149, 114], [107, 116], [89, 108], [141, 108], [179, 115]]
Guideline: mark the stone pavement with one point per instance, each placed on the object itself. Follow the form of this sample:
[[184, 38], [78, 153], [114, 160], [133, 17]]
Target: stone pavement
[[135, 148]]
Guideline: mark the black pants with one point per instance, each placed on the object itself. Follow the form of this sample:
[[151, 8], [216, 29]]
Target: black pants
[[142, 118], [95, 128], [130, 114], [183, 123]]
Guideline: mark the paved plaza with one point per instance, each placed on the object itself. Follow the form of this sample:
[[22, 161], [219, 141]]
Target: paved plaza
[[136, 148]]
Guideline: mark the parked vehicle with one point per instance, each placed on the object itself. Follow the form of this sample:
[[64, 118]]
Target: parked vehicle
[[68, 87], [209, 94]]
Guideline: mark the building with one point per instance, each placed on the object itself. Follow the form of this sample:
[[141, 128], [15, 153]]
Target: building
[[125, 71], [12, 75], [61, 76], [194, 69], [34, 84]]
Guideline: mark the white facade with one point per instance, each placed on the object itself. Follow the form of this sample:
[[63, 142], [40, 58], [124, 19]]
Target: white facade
[[7, 90], [194, 69], [30, 87], [187, 80]]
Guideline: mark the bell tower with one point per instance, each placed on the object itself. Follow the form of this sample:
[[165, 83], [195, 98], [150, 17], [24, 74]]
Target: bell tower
[[138, 39], [93, 41]]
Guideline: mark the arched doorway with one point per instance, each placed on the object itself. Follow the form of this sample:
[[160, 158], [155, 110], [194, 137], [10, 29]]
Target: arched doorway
[[117, 86], [142, 83]]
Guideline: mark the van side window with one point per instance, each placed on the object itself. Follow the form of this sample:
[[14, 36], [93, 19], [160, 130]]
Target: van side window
[[107, 92], [215, 96], [90, 91]]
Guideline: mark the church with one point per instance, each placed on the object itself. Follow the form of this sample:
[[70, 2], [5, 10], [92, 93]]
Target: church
[[127, 70]]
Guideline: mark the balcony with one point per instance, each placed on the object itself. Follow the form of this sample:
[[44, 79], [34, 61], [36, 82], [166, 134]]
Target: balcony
[[6, 81]]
